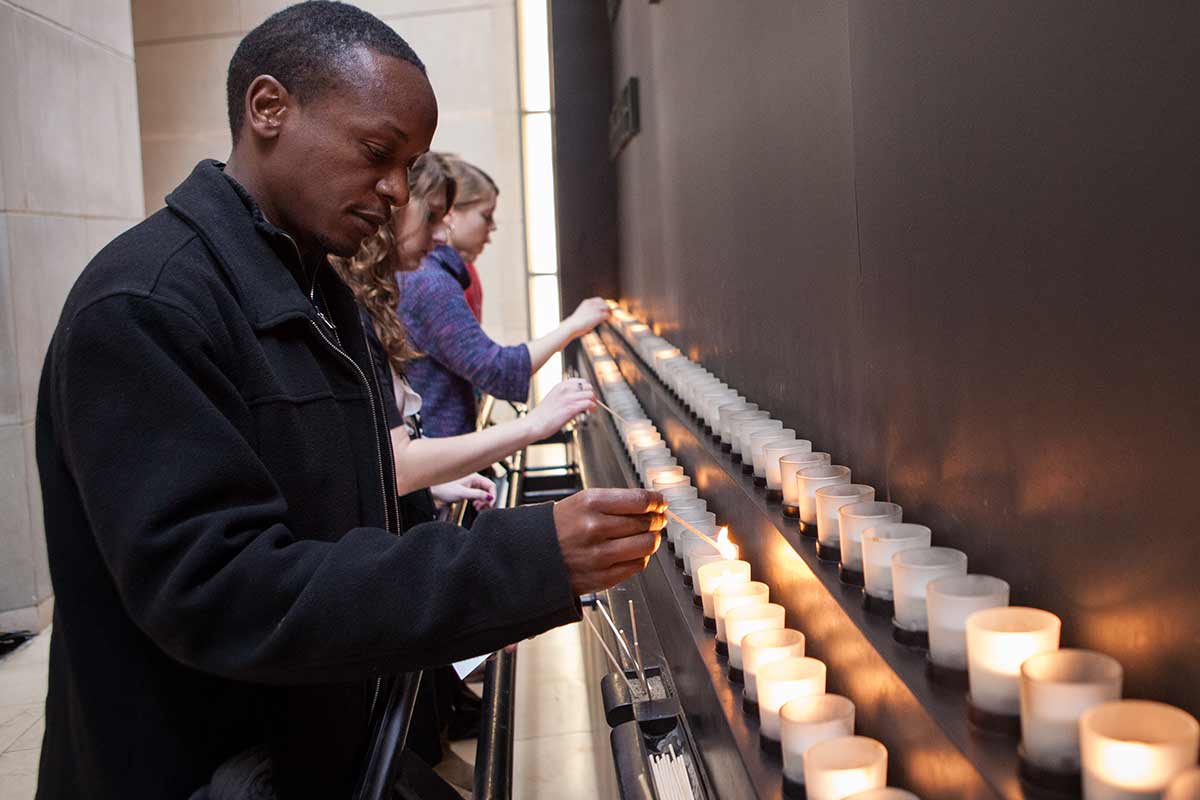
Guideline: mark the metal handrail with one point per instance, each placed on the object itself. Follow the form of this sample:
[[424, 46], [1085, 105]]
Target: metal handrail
[[389, 739]]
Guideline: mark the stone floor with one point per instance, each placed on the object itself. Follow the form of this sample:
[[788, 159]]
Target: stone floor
[[561, 740]]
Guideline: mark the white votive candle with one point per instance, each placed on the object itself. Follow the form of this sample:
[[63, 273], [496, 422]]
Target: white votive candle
[[674, 494], [998, 642], [698, 561], [808, 721], [697, 549], [1185, 786], [784, 680], [748, 619], [764, 647], [912, 571], [856, 518], [730, 421], [710, 577], [691, 509], [726, 412], [829, 500], [747, 430], [789, 467], [882, 542], [729, 596], [838, 768], [1056, 688], [887, 793], [665, 480], [687, 542], [1133, 749], [813, 478], [774, 452], [948, 603], [652, 473], [758, 447]]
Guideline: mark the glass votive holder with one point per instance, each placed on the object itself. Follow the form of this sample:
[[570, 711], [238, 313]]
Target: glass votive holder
[[711, 400], [759, 443], [1184, 786], [653, 473], [656, 458], [829, 500], [998, 642], [697, 548], [948, 603], [745, 620], [698, 561], [730, 421], [725, 413], [807, 482], [1056, 688], [676, 494], [879, 544], [772, 455], [761, 648], [741, 441], [711, 577], [779, 682], [808, 721], [686, 541], [667, 480], [1133, 749], [912, 571], [731, 595], [852, 521], [689, 510], [789, 468], [838, 768], [887, 793]]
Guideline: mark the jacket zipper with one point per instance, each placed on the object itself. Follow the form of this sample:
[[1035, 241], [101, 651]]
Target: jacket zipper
[[374, 430]]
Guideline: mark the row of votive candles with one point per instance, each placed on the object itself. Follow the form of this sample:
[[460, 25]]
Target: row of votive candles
[[784, 688], [1067, 701]]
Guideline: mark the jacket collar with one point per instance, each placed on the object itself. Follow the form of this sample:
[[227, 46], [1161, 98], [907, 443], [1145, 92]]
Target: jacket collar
[[448, 259], [260, 259]]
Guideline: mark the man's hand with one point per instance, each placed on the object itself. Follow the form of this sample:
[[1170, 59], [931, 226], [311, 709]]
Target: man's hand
[[606, 535]]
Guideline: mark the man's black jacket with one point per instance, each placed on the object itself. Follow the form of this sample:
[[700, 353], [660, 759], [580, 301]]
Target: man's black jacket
[[221, 520]]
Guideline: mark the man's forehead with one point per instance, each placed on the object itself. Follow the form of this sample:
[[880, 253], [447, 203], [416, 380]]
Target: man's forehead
[[384, 91]]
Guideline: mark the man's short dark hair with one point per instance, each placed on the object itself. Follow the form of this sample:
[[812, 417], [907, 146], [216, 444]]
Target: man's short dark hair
[[305, 47]]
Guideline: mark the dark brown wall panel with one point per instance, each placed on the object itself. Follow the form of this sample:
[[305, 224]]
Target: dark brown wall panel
[[956, 245]]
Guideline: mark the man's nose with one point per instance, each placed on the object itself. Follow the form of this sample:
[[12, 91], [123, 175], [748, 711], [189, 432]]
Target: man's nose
[[394, 187]]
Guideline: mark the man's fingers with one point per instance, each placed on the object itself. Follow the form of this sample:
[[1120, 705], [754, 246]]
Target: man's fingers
[[624, 501], [627, 525], [630, 548]]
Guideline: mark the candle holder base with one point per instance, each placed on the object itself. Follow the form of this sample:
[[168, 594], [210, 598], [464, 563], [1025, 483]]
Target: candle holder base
[[829, 553], [697, 601], [750, 706], [687, 581], [915, 639], [769, 745], [1006, 725], [850, 577], [710, 624], [716, 436], [877, 605], [1046, 784], [736, 675], [808, 529], [679, 562], [670, 546], [760, 482], [722, 649], [948, 677], [747, 468], [791, 512], [726, 447], [774, 496], [734, 457], [794, 789]]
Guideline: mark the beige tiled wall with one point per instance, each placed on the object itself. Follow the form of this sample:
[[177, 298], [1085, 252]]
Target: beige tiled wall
[[70, 180], [469, 46]]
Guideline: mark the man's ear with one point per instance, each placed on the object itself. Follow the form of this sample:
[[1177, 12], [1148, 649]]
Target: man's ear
[[267, 106]]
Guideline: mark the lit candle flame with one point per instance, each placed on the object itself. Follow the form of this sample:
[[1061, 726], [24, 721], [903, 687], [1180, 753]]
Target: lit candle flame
[[729, 550]]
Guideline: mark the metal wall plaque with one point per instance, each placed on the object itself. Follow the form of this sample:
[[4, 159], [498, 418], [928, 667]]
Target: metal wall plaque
[[624, 121]]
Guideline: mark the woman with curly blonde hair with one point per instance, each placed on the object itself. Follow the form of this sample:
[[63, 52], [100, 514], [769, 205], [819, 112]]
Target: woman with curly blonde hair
[[372, 274]]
